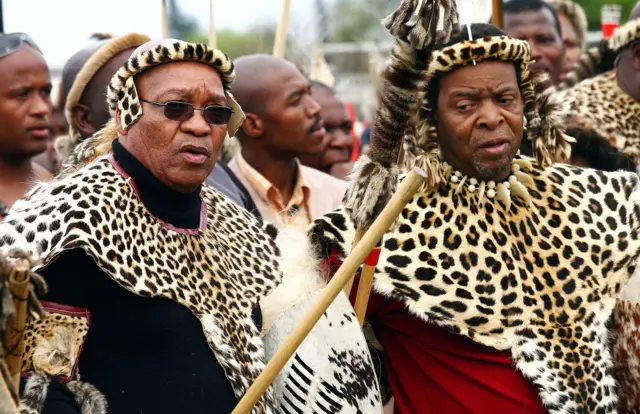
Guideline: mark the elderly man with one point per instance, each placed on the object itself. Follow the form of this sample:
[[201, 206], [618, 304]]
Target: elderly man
[[537, 22], [283, 123], [337, 146], [84, 81], [609, 103], [493, 291], [158, 284], [25, 111]]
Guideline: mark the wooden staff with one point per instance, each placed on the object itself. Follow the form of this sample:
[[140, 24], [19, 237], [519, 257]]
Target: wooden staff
[[19, 282], [392, 210], [165, 20], [212, 27], [497, 13], [280, 44]]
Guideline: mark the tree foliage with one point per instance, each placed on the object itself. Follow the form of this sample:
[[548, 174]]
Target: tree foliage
[[359, 20]]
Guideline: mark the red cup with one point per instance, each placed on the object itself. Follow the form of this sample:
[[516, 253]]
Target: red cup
[[610, 19], [608, 29]]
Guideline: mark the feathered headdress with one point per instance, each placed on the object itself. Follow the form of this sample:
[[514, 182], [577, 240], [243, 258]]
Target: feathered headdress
[[423, 52], [123, 96]]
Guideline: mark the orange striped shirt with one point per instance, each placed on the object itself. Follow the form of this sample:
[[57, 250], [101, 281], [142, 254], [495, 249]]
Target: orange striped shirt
[[295, 213]]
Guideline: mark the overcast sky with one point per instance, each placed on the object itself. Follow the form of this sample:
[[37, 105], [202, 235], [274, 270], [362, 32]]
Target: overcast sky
[[62, 27]]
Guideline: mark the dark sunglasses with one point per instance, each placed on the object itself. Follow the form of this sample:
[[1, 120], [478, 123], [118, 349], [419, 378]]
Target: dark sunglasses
[[182, 111], [11, 42]]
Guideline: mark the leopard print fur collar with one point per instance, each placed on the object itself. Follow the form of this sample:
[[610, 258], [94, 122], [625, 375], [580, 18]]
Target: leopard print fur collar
[[540, 281], [220, 273], [601, 104]]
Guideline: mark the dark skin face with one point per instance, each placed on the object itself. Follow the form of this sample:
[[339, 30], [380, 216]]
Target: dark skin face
[[572, 46], [539, 29], [480, 119], [92, 112], [179, 154], [289, 124], [337, 144], [25, 104], [49, 158]]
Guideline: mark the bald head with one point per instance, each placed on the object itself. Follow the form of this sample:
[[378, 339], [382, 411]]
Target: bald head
[[257, 78], [75, 64], [283, 120]]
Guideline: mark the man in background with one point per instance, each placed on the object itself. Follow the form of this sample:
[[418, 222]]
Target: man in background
[[609, 103], [49, 159], [573, 25], [25, 116], [337, 146], [537, 22], [84, 82], [282, 124]]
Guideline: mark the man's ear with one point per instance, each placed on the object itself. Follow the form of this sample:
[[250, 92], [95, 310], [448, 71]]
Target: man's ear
[[635, 56], [253, 125], [81, 118], [121, 132]]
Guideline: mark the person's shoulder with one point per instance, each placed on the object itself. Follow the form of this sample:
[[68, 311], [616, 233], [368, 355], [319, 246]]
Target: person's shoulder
[[316, 178], [42, 173]]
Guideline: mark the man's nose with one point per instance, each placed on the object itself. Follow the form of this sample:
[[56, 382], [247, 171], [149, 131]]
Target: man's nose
[[196, 125], [341, 139], [490, 116], [313, 107], [41, 106]]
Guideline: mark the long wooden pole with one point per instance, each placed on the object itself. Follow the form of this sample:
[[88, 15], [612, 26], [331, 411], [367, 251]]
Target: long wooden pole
[[165, 20], [497, 13], [212, 27], [405, 193], [280, 44]]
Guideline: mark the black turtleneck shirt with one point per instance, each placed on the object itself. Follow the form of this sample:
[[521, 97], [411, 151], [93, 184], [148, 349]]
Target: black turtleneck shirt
[[147, 355]]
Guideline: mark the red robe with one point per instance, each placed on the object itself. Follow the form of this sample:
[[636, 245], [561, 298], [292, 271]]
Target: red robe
[[431, 370]]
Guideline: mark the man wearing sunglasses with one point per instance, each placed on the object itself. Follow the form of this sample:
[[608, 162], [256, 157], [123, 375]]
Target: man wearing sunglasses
[[25, 111], [157, 280]]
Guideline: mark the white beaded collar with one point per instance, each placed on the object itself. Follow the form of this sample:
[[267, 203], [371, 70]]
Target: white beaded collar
[[515, 186]]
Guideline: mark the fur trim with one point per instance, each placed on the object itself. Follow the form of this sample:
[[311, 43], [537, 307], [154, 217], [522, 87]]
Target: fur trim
[[624, 35], [230, 146], [122, 94], [35, 394], [54, 356], [576, 15], [89, 398], [100, 58], [488, 48], [300, 276], [414, 22], [370, 188]]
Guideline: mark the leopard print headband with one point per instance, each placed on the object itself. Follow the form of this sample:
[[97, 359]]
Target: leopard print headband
[[122, 94]]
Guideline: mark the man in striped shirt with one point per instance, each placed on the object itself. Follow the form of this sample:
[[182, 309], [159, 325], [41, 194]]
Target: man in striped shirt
[[283, 123]]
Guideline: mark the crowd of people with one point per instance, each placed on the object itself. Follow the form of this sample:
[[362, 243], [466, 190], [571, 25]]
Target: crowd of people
[[186, 211]]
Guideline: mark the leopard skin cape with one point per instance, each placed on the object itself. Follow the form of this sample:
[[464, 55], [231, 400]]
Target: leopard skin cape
[[541, 280], [97, 209]]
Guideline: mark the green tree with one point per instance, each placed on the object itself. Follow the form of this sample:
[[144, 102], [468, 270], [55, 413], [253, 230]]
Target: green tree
[[258, 39], [359, 20]]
